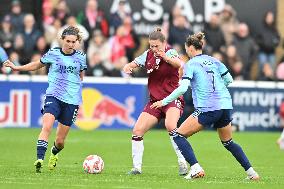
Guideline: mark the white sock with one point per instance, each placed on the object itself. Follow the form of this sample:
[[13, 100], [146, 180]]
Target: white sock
[[251, 171], [177, 151], [137, 154], [196, 167], [282, 135]]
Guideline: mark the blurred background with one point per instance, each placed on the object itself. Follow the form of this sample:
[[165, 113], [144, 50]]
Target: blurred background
[[247, 36]]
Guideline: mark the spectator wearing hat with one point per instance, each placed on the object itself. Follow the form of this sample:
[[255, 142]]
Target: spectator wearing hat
[[17, 16], [7, 34], [228, 23]]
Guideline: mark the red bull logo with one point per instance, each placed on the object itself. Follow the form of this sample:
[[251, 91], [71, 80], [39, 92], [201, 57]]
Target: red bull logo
[[98, 109], [17, 111]]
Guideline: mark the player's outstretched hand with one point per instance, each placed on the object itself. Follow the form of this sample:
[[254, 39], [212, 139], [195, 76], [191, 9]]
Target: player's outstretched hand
[[157, 105], [127, 69], [9, 64]]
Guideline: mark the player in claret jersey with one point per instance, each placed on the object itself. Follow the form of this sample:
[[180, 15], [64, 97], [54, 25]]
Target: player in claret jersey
[[63, 95], [209, 79], [162, 64]]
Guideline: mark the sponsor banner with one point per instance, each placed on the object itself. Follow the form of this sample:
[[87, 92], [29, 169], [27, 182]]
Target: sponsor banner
[[257, 108], [106, 106], [117, 106], [111, 106]]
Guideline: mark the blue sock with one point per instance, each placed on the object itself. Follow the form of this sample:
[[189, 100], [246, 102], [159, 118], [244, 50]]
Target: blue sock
[[185, 148], [238, 153], [41, 148], [55, 150]]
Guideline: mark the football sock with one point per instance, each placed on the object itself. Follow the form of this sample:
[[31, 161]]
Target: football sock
[[178, 153], [137, 151], [282, 135], [41, 148], [238, 153], [185, 148], [55, 150], [250, 171]]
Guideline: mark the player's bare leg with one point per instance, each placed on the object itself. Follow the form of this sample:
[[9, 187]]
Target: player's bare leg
[[225, 134], [172, 117], [143, 124], [42, 143], [61, 133]]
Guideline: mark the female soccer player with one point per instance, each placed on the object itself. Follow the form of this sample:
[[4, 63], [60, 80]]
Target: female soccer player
[[63, 95], [162, 64], [209, 79]]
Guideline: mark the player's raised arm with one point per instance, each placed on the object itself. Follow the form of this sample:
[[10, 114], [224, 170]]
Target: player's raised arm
[[28, 67], [171, 57]]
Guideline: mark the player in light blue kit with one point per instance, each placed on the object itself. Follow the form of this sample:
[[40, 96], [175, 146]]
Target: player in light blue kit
[[63, 95], [209, 79], [3, 56]]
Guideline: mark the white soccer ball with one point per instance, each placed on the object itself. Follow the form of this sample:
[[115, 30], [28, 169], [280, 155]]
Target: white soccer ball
[[93, 164]]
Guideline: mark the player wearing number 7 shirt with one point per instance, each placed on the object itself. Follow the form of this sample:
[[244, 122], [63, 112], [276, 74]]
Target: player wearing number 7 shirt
[[209, 79]]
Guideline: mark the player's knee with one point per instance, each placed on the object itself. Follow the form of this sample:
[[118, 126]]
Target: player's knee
[[138, 131], [170, 126]]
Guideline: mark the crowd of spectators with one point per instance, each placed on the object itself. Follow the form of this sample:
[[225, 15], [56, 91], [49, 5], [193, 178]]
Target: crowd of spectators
[[111, 43]]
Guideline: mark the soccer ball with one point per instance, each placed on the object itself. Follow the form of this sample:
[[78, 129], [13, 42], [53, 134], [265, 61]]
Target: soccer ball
[[93, 164]]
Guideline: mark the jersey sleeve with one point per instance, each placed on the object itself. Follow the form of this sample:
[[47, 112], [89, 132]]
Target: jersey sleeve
[[140, 60], [172, 53], [222, 68], [48, 58], [225, 74], [83, 65], [188, 71], [3, 55], [177, 92]]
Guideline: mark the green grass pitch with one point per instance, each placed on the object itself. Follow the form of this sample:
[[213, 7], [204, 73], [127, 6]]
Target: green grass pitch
[[18, 153]]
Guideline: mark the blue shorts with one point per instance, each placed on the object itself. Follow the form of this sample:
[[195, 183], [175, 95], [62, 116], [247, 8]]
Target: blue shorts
[[217, 118], [66, 114]]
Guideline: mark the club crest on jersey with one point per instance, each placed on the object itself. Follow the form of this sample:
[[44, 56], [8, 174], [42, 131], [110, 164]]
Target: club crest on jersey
[[158, 61], [156, 66]]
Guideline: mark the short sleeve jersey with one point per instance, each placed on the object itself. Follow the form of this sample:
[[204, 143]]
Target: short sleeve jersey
[[164, 78], [64, 75], [209, 92]]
